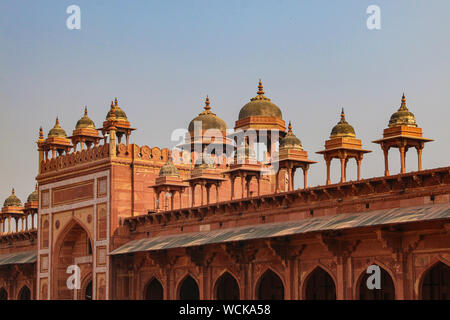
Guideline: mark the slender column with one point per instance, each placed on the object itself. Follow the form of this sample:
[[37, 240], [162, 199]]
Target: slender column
[[1, 226], [342, 170], [328, 162], [386, 161], [248, 180], [171, 200], [202, 191], [193, 195], [358, 162], [402, 159], [277, 178], [305, 178], [232, 187], [243, 185], [128, 138], [419, 158], [208, 190], [179, 196], [217, 192], [259, 185]]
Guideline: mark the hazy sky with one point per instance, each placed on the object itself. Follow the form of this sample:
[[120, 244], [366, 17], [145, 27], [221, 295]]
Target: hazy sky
[[161, 58]]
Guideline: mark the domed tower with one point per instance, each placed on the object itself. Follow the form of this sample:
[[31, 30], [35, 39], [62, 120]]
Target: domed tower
[[168, 185], [290, 157], [56, 142], [206, 130], [30, 210], [402, 133], [262, 116], [343, 145], [85, 132], [115, 125], [12, 213]]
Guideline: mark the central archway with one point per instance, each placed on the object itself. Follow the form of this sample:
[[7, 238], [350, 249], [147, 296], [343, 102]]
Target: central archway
[[24, 294], [3, 294], [227, 287], [320, 286], [189, 289], [74, 246], [386, 292], [154, 290], [270, 287], [436, 283]]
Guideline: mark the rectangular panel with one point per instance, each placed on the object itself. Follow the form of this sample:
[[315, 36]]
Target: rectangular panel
[[102, 187], [101, 221], [73, 193]]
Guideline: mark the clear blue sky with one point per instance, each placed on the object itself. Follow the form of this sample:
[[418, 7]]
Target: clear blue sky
[[161, 58]]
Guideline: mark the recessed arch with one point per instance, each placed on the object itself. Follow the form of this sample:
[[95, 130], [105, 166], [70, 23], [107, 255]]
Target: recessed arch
[[319, 285], [188, 289], [435, 282], [154, 290], [226, 287], [72, 247], [3, 294], [270, 286], [387, 291], [24, 293]]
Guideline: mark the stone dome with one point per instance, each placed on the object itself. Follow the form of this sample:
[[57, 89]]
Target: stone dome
[[34, 196], [57, 131], [343, 129], [12, 201], [85, 122], [118, 112], [290, 141], [169, 170], [208, 119], [260, 106], [403, 117]]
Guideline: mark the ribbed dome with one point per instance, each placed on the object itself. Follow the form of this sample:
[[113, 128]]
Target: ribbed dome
[[403, 117], [118, 112], [290, 141], [12, 201], [34, 196], [169, 170], [57, 131], [342, 129], [85, 122], [208, 119], [260, 106]]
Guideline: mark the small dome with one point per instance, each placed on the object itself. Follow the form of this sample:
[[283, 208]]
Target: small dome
[[169, 170], [118, 112], [85, 122], [260, 106], [208, 119], [12, 201], [403, 117], [34, 196], [342, 129], [290, 141], [57, 131]]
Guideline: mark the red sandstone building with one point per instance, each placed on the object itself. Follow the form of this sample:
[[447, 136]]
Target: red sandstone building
[[142, 224]]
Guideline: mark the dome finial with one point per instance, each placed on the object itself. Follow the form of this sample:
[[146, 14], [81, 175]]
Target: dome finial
[[260, 88], [85, 111], [403, 105], [343, 114], [207, 107], [57, 121], [41, 134], [13, 191], [115, 102], [290, 126]]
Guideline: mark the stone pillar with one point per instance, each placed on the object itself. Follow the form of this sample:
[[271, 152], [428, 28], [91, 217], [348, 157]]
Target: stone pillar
[[419, 158], [328, 162], [358, 163], [342, 169], [305, 177], [402, 160], [386, 161]]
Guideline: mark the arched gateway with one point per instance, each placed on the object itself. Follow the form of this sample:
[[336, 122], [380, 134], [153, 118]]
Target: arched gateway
[[436, 283]]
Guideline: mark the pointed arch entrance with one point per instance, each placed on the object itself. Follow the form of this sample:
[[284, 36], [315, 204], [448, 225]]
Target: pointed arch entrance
[[3, 294], [227, 288], [189, 289], [24, 294], [73, 247], [387, 291], [320, 286], [436, 283], [154, 290], [270, 287]]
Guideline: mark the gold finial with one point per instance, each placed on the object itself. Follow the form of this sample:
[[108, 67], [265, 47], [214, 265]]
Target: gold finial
[[290, 127], [403, 105], [12, 192], [41, 134], [342, 115], [85, 111], [112, 105], [36, 186], [57, 121], [260, 87], [207, 107], [115, 102]]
